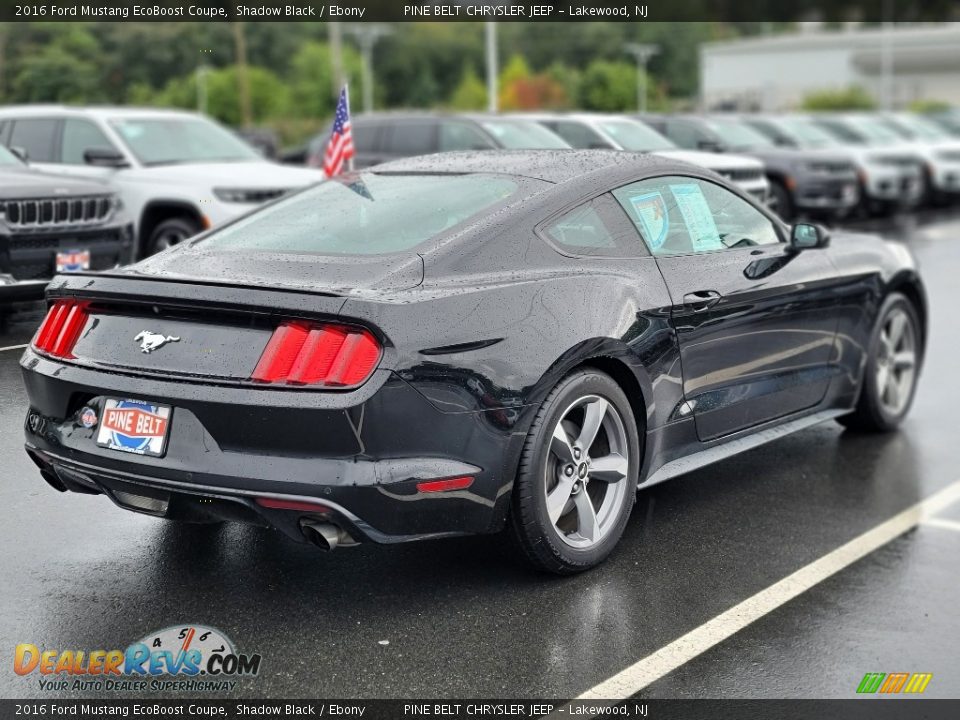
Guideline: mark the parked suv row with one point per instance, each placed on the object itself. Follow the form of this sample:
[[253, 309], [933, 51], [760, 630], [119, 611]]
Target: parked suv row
[[176, 172]]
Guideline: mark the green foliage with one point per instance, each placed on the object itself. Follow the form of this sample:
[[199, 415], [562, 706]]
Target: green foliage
[[852, 98], [268, 96], [609, 86], [549, 65], [929, 106], [471, 93], [310, 79]]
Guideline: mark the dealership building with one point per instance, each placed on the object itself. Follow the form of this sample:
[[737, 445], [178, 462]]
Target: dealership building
[[775, 72]]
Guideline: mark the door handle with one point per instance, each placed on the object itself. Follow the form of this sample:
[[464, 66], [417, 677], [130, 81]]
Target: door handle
[[701, 300]]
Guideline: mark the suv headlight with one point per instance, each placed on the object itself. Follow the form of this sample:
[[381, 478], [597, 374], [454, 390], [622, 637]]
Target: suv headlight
[[248, 195]]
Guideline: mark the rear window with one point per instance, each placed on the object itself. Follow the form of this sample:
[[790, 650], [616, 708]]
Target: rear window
[[367, 214]]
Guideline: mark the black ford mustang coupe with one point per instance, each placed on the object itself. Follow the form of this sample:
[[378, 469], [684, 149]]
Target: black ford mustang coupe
[[466, 343]]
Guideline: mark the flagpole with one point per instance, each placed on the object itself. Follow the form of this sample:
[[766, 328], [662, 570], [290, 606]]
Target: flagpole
[[346, 91]]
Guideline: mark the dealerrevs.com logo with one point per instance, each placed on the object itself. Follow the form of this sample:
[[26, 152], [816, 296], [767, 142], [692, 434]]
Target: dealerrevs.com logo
[[187, 658]]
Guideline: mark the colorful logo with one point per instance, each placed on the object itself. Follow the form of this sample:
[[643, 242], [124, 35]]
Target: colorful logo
[[892, 683], [88, 417], [180, 651]]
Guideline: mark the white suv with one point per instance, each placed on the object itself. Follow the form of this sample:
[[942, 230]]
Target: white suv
[[177, 172]]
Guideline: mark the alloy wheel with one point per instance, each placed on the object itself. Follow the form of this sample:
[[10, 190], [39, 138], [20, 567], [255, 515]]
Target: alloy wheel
[[586, 471], [896, 361]]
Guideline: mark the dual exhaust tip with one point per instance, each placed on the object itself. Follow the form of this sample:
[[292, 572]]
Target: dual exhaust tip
[[325, 535]]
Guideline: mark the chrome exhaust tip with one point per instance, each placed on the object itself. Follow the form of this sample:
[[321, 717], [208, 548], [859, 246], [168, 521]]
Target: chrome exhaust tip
[[324, 535]]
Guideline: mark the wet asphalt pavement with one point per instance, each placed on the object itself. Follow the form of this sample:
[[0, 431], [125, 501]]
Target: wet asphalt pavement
[[463, 619]]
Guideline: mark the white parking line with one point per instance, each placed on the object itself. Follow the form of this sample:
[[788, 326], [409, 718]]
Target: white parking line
[[943, 523], [13, 347], [635, 678]]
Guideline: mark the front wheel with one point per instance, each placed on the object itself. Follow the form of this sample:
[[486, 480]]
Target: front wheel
[[577, 479], [890, 374], [170, 232]]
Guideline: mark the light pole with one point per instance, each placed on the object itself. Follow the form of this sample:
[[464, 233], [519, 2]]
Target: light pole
[[491, 37], [642, 52], [367, 36]]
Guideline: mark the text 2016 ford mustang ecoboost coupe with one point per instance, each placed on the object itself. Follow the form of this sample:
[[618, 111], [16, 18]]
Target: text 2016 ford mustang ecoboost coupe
[[465, 343]]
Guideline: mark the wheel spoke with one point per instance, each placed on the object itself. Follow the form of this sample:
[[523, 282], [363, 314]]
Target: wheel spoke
[[587, 525], [904, 360], [560, 445], [892, 392], [883, 379], [593, 415], [557, 498], [898, 323], [610, 468]]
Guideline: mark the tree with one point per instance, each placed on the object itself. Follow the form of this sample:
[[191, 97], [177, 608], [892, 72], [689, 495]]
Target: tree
[[269, 98], [609, 86], [471, 93], [311, 77]]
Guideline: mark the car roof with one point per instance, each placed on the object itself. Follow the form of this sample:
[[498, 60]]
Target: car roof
[[554, 166], [99, 111]]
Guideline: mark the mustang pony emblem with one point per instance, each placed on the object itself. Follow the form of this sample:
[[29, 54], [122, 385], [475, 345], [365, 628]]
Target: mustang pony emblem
[[150, 341]]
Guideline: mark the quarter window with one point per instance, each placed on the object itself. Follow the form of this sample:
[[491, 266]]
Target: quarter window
[[80, 136], [595, 229], [683, 215]]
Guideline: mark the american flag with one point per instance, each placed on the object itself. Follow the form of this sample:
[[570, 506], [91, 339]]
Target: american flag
[[340, 147]]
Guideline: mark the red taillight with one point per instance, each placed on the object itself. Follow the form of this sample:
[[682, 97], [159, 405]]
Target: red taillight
[[61, 329], [457, 483], [301, 354]]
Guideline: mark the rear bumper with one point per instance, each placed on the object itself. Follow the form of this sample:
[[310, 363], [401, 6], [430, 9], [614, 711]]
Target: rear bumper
[[31, 256], [12, 290], [361, 460]]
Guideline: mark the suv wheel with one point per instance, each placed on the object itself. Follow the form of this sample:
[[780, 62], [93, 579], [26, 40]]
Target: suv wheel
[[171, 232]]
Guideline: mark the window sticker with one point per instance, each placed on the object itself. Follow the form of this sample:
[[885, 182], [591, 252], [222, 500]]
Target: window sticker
[[651, 210], [698, 217]]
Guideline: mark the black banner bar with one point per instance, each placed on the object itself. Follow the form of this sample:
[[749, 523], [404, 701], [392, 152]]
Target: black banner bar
[[481, 10], [872, 708]]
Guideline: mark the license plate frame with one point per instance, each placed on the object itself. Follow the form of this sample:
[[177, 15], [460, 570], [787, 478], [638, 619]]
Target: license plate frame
[[132, 426]]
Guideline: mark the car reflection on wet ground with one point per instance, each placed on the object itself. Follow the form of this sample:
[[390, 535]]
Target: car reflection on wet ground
[[461, 618]]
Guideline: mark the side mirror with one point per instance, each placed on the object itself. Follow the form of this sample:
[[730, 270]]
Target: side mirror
[[19, 152], [104, 157], [805, 236]]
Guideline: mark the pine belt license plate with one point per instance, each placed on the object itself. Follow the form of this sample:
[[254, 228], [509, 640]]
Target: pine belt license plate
[[134, 426]]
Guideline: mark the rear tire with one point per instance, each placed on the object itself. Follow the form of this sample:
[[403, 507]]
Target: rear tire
[[577, 478], [891, 371]]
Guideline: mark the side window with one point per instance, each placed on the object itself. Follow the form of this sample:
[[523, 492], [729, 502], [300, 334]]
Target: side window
[[595, 229], [36, 136], [78, 137], [683, 134], [412, 138], [461, 136], [683, 215], [365, 136], [578, 135]]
